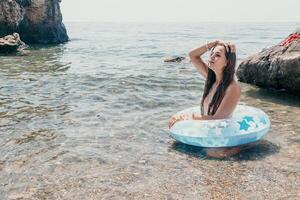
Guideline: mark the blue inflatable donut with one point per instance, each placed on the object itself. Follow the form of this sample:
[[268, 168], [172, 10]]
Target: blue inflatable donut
[[247, 124]]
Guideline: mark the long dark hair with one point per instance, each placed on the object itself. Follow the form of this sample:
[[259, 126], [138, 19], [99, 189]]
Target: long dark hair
[[228, 76]]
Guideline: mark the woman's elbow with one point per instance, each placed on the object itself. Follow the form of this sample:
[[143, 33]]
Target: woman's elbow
[[191, 55]]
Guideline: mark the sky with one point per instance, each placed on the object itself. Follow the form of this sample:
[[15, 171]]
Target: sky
[[181, 10]]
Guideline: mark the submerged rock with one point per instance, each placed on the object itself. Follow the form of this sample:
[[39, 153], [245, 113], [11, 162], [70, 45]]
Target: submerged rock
[[175, 59], [11, 43], [37, 21], [277, 67]]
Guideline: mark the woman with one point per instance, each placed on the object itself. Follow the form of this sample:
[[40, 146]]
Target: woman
[[221, 91]]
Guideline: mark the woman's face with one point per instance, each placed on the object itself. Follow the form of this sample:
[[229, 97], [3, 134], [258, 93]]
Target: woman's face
[[217, 60]]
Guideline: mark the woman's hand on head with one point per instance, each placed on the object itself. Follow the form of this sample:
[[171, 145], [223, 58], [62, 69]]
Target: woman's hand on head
[[213, 43], [232, 47]]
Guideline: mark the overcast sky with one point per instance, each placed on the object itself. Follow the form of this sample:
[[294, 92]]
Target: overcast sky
[[180, 10]]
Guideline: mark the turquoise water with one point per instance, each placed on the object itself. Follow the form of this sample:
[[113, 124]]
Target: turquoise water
[[91, 115]]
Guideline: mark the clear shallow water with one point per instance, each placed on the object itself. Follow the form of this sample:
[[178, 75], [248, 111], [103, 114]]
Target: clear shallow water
[[89, 118]]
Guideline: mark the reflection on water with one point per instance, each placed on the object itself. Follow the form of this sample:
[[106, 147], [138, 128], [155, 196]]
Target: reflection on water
[[278, 97], [89, 119], [39, 59], [256, 151]]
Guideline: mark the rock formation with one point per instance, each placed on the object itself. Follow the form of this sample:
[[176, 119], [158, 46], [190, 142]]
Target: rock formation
[[11, 43], [174, 59], [37, 21], [277, 67]]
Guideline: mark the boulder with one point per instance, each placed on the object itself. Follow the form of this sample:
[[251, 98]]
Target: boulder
[[174, 59], [11, 43], [37, 21], [277, 67]]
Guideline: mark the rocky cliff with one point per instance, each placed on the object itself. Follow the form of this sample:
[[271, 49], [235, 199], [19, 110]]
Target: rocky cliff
[[37, 21], [276, 67]]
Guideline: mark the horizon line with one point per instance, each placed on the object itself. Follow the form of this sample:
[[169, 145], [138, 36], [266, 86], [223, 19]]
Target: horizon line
[[181, 21]]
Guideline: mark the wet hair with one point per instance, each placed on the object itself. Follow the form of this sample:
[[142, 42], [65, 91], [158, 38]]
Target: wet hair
[[228, 76]]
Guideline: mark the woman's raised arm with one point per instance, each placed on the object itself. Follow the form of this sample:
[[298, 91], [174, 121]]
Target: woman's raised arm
[[195, 57]]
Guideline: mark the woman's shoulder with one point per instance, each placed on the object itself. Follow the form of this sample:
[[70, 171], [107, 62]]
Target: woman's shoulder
[[234, 87]]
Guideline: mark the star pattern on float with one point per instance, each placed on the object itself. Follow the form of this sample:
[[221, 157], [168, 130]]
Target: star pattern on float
[[248, 119], [244, 125]]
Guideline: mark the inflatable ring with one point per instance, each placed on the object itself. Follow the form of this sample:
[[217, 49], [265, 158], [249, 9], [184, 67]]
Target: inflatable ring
[[247, 124]]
